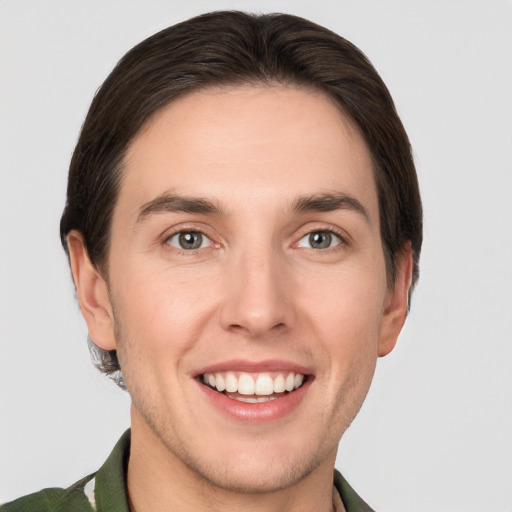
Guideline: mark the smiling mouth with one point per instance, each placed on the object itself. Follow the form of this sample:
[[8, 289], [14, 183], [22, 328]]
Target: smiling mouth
[[253, 387]]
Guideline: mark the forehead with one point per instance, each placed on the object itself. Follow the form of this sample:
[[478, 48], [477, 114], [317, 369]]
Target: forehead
[[269, 143]]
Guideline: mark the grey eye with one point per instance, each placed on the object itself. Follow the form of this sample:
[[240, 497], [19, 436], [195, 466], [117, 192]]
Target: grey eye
[[319, 240], [189, 240]]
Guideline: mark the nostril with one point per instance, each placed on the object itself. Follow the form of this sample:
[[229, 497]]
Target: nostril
[[255, 330]]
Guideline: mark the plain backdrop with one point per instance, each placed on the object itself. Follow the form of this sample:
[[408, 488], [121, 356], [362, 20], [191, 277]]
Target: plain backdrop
[[435, 433]]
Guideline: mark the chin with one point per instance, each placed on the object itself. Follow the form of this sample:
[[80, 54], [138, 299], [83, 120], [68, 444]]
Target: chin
[[247, 474]]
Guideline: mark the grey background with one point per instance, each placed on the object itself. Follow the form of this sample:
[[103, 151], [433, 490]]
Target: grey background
[[435, 433]]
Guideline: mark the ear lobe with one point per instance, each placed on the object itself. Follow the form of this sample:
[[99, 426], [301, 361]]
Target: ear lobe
[[395, 311], [92, 293]]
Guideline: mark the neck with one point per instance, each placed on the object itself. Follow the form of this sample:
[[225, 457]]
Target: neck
[[159, 480]]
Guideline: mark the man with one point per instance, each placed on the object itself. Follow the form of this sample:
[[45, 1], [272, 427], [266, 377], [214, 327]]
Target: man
[[243, 224]]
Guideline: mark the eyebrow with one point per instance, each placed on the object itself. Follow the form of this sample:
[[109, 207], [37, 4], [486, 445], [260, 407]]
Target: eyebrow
[[326, 202], [329, 202], [173, 203]]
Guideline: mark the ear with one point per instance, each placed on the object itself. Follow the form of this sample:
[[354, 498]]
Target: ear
[[92, 293], [395, 310]]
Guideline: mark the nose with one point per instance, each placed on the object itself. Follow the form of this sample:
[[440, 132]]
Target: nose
[[257, 302]]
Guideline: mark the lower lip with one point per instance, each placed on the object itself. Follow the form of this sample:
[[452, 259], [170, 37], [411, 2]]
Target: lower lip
[[262, 412]]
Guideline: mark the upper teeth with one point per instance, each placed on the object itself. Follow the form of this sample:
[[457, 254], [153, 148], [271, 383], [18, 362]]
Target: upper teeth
[[253, 384]]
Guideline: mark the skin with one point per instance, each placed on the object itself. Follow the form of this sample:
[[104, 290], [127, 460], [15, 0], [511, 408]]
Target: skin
[[256, 290]]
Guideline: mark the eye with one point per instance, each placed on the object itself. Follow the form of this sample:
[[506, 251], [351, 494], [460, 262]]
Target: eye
[[189, 240], [319, 240]]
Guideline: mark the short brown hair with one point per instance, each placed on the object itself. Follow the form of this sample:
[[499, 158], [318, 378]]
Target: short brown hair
[[230, 48]]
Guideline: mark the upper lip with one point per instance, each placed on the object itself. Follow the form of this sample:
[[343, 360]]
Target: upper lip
[[244, 365]]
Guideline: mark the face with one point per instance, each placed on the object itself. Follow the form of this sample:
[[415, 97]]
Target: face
[[247, 283]]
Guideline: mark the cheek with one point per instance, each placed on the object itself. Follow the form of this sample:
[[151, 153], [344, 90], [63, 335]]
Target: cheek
[[164, 295], [345, 321], [354, 298], [161, 314], [346, 312]]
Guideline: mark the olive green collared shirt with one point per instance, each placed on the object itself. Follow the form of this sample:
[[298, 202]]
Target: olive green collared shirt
[[105, 490]]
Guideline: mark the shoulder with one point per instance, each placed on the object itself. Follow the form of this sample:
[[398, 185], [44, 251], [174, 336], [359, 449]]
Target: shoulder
[[54, 500], [103, 491]]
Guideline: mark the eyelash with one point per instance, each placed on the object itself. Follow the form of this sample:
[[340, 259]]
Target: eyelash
[[169, 237], [331, 231], [339, 235]]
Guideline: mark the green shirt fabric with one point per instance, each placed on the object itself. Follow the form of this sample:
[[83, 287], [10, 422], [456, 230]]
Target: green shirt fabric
[[105, 490]]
